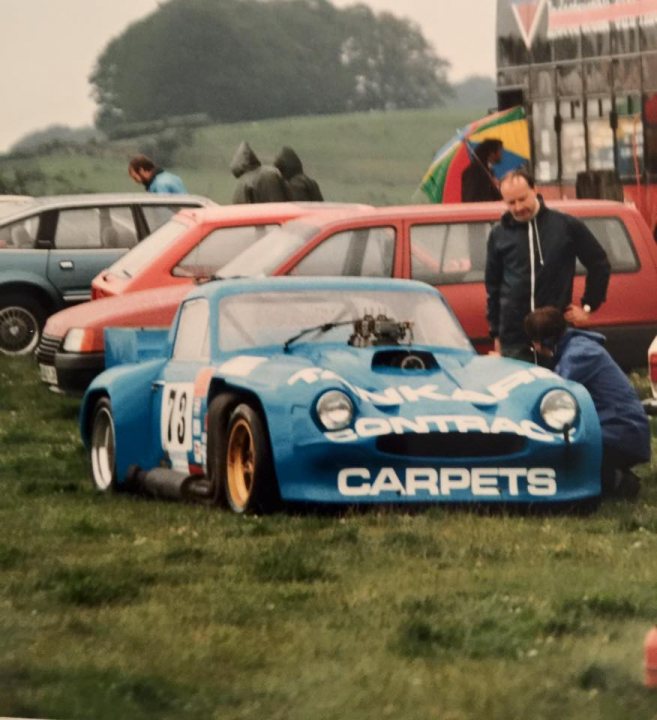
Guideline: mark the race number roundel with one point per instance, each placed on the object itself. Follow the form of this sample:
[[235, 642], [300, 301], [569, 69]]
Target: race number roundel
[[176, 417]]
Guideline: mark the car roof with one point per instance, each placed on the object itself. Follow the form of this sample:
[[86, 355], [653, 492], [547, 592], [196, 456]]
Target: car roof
[[457, 211], [262, 211], [53, 202]]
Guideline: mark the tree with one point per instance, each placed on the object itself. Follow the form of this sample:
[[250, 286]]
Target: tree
[[248, 59], [392, 64]]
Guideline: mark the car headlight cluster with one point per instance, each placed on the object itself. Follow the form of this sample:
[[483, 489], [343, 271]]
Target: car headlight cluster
[[559, 410], [335, 410], [74, 340]]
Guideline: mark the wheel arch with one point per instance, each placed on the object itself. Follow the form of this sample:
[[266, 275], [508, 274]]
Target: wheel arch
[[37, 290], [240, 395], [219, 387], [87, 413], [247, 395]]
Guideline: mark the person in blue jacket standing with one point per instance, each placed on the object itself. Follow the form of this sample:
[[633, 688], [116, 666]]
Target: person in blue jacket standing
[[156, 180], [580, 355]]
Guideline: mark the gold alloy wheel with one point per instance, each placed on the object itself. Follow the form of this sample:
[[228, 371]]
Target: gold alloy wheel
[[240, 464]]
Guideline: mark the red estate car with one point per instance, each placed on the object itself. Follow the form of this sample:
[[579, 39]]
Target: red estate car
[[443, 245]]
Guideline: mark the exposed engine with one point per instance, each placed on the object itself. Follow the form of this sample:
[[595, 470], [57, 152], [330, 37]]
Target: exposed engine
[[370, 331]]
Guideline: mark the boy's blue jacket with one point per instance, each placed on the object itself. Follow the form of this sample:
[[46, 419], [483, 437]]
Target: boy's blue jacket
[[580, 356]]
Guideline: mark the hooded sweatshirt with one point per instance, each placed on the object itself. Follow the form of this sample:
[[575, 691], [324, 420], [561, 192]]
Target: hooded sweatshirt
[[301, 186], [580, 356], [531, 265], [256, 183]]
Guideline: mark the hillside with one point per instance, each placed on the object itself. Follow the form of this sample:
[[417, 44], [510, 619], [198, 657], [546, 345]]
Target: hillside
[[376, 157]]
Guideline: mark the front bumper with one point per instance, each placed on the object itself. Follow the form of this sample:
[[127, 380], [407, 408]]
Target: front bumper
[[359, 473], [76, 370]]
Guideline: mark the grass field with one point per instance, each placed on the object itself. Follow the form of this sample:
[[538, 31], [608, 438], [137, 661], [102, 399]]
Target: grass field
[[120, 607], [377, 157]]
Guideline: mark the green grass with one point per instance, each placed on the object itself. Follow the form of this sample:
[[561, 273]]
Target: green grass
[[377, 157], [122, 607]]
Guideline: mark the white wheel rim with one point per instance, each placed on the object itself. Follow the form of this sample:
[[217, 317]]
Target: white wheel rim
[[103, 449]]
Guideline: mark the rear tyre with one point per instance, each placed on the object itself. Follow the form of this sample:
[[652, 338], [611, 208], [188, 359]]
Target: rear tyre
[[249, 478], [21, 322], [103, 447]]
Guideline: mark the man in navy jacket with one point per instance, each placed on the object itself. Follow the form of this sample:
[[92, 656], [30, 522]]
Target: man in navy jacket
[[580, 355], [530, 263]]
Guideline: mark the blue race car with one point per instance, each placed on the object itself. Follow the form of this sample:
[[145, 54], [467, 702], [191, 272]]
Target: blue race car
[[332, 390]]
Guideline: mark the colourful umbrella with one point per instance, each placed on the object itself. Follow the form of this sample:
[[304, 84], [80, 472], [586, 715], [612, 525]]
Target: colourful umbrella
[[442, 181]]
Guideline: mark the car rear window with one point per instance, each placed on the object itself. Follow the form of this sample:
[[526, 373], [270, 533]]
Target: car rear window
[[20, 234], [217, 248], [614, 238], [452, 253], [157, 215], [270, 251], [143, 253], [449, 253]]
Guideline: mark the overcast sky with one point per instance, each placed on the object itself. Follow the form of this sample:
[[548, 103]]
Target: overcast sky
[[50, 47]]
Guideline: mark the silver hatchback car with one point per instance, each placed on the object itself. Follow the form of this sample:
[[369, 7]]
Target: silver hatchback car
[[52, 247]]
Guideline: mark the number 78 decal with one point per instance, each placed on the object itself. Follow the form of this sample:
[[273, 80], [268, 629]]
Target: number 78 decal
[[176, 416]]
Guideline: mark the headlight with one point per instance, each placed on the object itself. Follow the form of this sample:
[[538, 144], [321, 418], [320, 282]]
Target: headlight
[[558, 409], [335, 410], [76, 340]]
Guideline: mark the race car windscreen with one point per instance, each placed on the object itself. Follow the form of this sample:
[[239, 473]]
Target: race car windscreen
[[264, 256], [272, 318], [143, 253]]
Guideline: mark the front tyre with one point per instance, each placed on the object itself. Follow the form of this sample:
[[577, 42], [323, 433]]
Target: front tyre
[[249, 478], [219, 411], [103, 447]]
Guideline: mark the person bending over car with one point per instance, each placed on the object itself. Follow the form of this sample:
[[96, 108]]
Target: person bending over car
[[579, 355]]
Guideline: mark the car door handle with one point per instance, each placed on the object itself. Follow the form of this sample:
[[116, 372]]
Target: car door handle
[[66, 264], [157, 384]]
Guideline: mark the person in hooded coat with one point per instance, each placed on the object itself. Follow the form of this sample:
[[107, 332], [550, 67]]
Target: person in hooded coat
[[301, 186], [256, 183], [580, 355]]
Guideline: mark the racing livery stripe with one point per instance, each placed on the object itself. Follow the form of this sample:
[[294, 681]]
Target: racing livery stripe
[[242, 365], [202, 381]]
